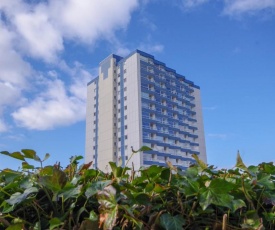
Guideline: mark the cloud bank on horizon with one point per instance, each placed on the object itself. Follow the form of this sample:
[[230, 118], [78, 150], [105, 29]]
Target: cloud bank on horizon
[[37, 32]]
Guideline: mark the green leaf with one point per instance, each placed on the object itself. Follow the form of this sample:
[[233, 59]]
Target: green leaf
[[266, 181], [56, 181], [10, 175], [31, 154], [70, 192], [191, 187], [26, 165], [75, 159], [216, 193], [236, 204], [93, 216], [17, 226], [169, 222], [159, 188], [18, 197], [117, 171], [144, 148], [142, 198], [55, 223], [47, 155], [16, 155], [95, 187]]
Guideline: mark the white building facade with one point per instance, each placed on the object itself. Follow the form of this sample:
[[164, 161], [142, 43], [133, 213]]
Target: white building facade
[[137, 101]]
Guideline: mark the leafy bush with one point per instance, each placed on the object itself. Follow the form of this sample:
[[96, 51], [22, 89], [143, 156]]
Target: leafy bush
[[77, 197]]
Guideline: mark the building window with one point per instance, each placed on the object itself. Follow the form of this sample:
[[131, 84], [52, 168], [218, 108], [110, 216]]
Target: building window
[[119, 139], [126, 137], [126, 158], [125, 88], [125, 80], [125, 127], [125, 107], [94, 147], [125, 71], [125, 98], [125, 117]]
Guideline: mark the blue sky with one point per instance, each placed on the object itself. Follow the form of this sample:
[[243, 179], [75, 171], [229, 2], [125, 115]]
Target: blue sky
[[50, 49]]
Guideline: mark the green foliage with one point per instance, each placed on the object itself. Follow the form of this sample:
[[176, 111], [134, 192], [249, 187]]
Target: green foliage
[[77, 197]]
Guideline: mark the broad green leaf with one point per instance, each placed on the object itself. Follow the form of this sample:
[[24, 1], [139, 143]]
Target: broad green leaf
[[31, 154], [142, 198], [18, 197], [208, 197], [71, 192], [56, 181], [6, 207], [269, 216], [191, 187], [142, 149], [55, 223], [95, 187], [159, 188], [10, 175], [17, 226], [149, 187], [75, 159], [26, 165], [216, 193], [153, 171], [191, 172], [236, 204], [18, 155], [93, 216], [265, 180], [117, 171], [169, 222]]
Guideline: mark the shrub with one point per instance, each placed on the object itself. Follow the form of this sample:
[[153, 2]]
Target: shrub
[[77, 197]]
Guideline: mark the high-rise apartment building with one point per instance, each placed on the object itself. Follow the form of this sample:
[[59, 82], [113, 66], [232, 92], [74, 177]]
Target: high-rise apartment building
[[137, 101]]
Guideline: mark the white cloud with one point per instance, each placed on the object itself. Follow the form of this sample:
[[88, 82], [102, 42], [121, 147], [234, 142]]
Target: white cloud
[[38, 30], [187, 4], [59, 104], [237, 7], [90, 20], [40, 38], [151, 47], [3, 126], [13, 68]]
